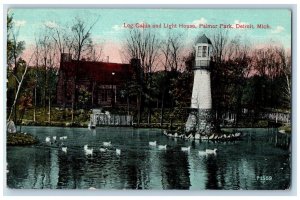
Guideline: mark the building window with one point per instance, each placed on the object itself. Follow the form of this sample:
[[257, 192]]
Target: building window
[[104, 95]]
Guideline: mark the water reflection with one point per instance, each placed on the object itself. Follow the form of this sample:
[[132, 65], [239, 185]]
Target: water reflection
[[175, 170], [237, 165]]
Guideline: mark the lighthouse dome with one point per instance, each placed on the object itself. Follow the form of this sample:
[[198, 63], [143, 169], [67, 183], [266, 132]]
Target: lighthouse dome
[[204, 40]]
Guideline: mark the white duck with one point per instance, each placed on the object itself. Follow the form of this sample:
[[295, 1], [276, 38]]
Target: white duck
[[106, 144], [64, 149], [237, 134], [54, 138], [103, 149], [186, 148], [211, 151], [63, 138], [162, 147], [118, 152], [48, 140], [202, 153], [165, 132], [88, 151], [152, 143]]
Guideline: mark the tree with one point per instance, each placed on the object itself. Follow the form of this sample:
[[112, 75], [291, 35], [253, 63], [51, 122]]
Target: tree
[[143, 45], [18, 88], [14, 50], [9, 39], [46, 54], [238, 63], [25, 102], [171, 57], [272, 65], [81, 33], [218, 74], [75, 40], [219, 42], [287, 72]]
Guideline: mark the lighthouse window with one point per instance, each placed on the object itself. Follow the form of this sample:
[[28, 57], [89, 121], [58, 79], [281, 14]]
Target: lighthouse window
[[199, 51], [208, 51], [204, 52]]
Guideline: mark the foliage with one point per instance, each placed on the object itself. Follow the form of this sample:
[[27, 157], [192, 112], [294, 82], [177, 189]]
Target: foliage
[[16, 139], [84, 97]]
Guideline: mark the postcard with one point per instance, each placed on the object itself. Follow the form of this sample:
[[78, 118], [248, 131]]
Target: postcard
[[149, 99]]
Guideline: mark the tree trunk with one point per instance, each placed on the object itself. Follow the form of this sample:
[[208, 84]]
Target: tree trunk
[[34, 108], [21, 119], [72, 111], [93, 89], [139, 109], [49, 108], [13, 108], [45, 87], [162, 108], [149, 114], [128, 105]]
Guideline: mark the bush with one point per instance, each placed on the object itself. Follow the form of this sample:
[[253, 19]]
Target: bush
[[20, 139], [262, 123]]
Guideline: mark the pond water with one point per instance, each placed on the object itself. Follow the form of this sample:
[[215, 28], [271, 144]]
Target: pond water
[[250, 164]]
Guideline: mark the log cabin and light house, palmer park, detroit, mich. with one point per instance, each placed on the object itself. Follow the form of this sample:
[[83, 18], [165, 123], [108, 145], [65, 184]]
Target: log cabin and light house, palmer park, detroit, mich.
[[194, 26]]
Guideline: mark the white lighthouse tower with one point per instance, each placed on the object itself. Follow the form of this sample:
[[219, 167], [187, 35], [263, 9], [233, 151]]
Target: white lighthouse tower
[[201, 102]]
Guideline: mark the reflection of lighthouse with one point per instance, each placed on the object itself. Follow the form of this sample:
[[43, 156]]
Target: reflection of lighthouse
[[201, 102]]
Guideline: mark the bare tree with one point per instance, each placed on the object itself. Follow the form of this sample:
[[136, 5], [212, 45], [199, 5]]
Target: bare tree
[[143, 45], [45, 45], [286, 69], [171, 50], [81, 31], [268, 61], [62, 36], [219, 42], [46, 51], [37, 57], [95, 53], [238, 64]]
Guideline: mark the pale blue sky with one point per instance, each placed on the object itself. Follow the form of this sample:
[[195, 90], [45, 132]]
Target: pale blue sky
[[109, 26]]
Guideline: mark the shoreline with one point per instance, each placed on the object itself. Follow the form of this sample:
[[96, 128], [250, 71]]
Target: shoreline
[[153, 125]]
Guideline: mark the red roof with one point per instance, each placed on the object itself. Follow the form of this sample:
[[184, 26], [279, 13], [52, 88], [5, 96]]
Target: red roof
[[97, 71]]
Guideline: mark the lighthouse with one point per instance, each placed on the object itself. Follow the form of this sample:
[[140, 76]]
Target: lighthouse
[[200, 116]]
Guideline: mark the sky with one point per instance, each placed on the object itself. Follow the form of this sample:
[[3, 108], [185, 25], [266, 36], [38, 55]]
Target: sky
[[110, 31]]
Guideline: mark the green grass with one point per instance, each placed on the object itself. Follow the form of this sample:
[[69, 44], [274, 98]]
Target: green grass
[[19, 139], [63, 117], [59, 117], [286, 128]]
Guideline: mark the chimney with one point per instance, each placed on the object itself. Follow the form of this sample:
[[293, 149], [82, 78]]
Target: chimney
[[66, 57], [135, 62]]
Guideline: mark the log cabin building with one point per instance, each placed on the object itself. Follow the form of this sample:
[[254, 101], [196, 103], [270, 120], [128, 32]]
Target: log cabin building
[[90, 84]]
